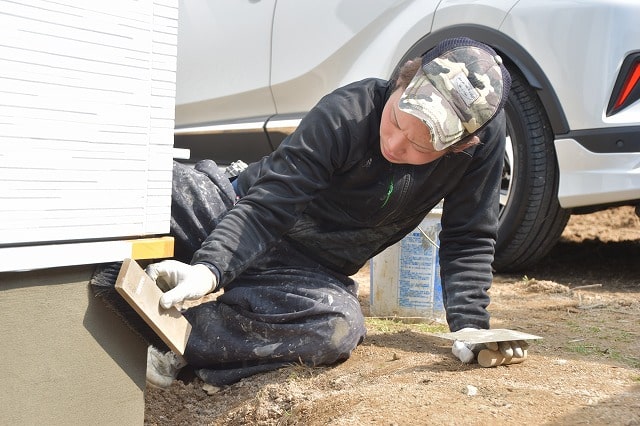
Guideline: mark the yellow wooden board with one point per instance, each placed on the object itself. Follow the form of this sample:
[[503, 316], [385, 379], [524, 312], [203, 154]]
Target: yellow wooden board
[[142, 293], [152, 248]]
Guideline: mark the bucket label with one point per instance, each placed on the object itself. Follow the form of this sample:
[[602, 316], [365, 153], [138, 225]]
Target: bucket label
[[419, 286]]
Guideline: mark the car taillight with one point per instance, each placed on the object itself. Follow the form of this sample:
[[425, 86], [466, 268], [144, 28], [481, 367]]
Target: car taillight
[[627, 88]]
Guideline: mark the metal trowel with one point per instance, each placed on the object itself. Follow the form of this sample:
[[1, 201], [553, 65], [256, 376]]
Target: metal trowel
[[491, 356]]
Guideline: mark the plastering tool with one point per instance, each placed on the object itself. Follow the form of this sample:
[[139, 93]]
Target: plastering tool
[[142, 293], [491, 357]]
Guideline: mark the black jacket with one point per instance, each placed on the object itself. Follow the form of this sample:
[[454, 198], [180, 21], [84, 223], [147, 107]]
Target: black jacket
[[330, 192]]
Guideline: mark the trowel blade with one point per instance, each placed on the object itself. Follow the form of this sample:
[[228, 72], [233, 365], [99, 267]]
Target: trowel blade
[[486, 336]]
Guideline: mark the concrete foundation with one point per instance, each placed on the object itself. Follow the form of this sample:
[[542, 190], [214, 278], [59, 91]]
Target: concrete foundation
[[66, 358]]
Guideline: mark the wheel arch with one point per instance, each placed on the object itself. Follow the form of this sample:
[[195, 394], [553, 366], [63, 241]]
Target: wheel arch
[[512, 53]]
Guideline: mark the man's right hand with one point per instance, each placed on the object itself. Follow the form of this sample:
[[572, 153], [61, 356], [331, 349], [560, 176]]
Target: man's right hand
[[181, 281], [467, 353]]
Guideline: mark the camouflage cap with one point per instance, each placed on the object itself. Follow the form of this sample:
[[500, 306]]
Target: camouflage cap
[[461, 85]]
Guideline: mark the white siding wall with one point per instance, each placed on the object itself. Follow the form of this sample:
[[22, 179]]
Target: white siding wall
[[87, 92]]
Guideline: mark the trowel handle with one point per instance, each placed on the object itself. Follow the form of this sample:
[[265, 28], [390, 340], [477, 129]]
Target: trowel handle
[[489, 358]]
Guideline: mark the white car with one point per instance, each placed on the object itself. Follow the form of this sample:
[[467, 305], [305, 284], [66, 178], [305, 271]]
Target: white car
[[248, 70]]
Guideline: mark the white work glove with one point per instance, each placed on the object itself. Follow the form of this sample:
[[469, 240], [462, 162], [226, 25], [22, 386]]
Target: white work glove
[[467, 352], [181, 281]]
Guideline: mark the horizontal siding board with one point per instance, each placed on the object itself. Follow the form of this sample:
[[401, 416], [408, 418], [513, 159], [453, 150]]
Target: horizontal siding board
[[86, 119]]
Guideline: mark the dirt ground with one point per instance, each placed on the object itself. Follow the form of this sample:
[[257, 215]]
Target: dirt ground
[[583, 298]]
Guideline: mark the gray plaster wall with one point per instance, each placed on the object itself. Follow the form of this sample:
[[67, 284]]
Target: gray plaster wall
[[64, 357]]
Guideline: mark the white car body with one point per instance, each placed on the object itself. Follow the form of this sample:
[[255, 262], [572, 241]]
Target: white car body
[[259, 65], [563, 44]]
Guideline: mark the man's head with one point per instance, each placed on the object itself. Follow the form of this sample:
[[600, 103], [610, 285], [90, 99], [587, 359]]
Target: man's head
[[460, 85]]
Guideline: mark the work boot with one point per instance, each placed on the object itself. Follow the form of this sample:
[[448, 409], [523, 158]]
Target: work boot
[[162, 368]]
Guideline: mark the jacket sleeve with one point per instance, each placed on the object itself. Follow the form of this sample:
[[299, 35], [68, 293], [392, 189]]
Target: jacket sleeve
[[287, 181], [469, 232]]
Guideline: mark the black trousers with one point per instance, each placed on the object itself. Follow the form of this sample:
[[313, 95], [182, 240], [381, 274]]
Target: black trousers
[[284, 309]]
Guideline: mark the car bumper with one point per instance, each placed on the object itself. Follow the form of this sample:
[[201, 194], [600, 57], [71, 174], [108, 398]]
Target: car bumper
[[590, 178]]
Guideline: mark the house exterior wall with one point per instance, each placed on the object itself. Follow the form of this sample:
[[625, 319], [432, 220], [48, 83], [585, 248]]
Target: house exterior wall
[[86, 147], [86, 119]]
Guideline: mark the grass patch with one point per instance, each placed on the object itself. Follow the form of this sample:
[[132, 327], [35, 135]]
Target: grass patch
[[608, 353], [391, 325], [300, 371]]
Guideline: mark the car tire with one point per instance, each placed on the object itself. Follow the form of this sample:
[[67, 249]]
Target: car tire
[[531, 219]]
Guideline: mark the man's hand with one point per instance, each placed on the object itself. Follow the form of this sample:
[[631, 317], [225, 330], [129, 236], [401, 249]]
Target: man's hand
[[467, 353], [514, 348], [181, 281]]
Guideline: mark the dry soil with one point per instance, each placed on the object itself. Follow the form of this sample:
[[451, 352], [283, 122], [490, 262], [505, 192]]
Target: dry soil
[[583, 298]]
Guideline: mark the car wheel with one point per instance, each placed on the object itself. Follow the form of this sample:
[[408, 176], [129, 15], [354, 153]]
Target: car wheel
[[531, 219]]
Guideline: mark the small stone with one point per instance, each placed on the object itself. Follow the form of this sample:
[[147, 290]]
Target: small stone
[[472, 390], [210, 389]]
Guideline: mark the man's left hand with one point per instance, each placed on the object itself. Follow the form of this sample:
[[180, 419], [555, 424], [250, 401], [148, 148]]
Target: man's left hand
[[183, 281]]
